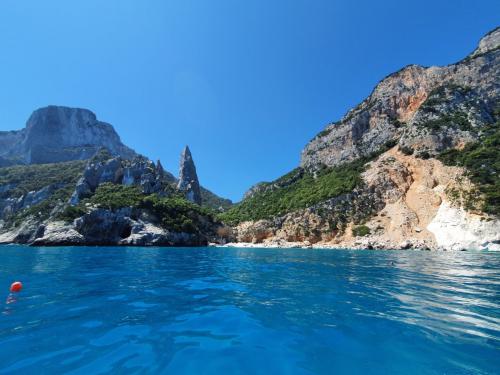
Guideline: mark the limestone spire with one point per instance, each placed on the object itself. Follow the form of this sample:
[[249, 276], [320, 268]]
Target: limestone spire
[[160, 171], [188, 179]]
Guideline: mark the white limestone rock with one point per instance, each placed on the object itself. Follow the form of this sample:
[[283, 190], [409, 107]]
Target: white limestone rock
[[457, 229]]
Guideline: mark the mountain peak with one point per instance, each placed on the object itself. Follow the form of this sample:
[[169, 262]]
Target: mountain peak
[[489, 42], [187, 152], [55, 133]]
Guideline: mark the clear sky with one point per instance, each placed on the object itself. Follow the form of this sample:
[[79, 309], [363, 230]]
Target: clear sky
[[245, 83]]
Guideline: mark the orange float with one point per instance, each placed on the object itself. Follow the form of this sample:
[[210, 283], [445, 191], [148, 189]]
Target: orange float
[[16, 287]]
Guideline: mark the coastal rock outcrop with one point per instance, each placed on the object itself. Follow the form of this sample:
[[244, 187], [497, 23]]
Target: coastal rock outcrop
[[11, 205], [456, 229], [427, 141], [108, 200], [122, 227], [402, 203]]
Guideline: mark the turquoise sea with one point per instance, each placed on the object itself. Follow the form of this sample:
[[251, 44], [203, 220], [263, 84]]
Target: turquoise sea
[[90, 310]]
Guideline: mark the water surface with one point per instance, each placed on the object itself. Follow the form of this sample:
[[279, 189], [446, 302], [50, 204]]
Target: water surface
[[90, 310]]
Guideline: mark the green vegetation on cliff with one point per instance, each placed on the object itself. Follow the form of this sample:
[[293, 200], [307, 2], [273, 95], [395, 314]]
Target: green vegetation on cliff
[[360, 231], [21, 179], [482, 161], [114, 196], [174, 212], [441, 95], [458, 120], [26, 178], [42, 210], [302, 190], [213, 201]]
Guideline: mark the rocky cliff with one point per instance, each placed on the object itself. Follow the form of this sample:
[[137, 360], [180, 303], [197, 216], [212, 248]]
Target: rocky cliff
[[409, 106], [57, 134], [105, 201], [66, 179], [416, 164]]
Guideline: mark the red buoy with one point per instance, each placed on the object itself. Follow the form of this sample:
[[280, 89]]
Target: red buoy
[[16, 287]]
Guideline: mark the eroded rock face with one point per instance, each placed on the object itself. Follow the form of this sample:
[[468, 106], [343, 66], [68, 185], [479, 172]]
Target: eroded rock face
[[451, 117], [10, 206], [99, 226], [139, 171], [414, 114], [109, 227], [10, 141], [394, 110], [105, 227], [59, 233], [403, 200], [488, 42], [456, 229], [56, 134], [188, 178]]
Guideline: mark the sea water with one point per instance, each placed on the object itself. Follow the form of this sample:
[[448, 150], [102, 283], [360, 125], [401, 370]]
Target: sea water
[[89, 310]]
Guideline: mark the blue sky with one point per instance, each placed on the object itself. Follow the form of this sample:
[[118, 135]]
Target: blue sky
[[245, 83]]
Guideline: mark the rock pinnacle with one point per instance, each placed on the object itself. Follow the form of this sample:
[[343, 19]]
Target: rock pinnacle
[[188, 179]]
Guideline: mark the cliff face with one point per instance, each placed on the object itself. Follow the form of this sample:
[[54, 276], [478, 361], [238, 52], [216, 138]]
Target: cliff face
[[466, 91], [140, 172], [428, 140], [108, 201], [57, 134]]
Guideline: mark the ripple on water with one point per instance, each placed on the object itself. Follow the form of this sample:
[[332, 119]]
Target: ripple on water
[[251, 311]]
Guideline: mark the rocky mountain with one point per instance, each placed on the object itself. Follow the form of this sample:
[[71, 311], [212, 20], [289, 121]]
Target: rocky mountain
[[57, 134], [416, 164], [67, 179], [409, 106], [107, 200]]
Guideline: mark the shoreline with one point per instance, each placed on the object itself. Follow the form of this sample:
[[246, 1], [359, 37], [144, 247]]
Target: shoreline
[[317, 246], [406, 246], [304, 246], [263, 246]]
